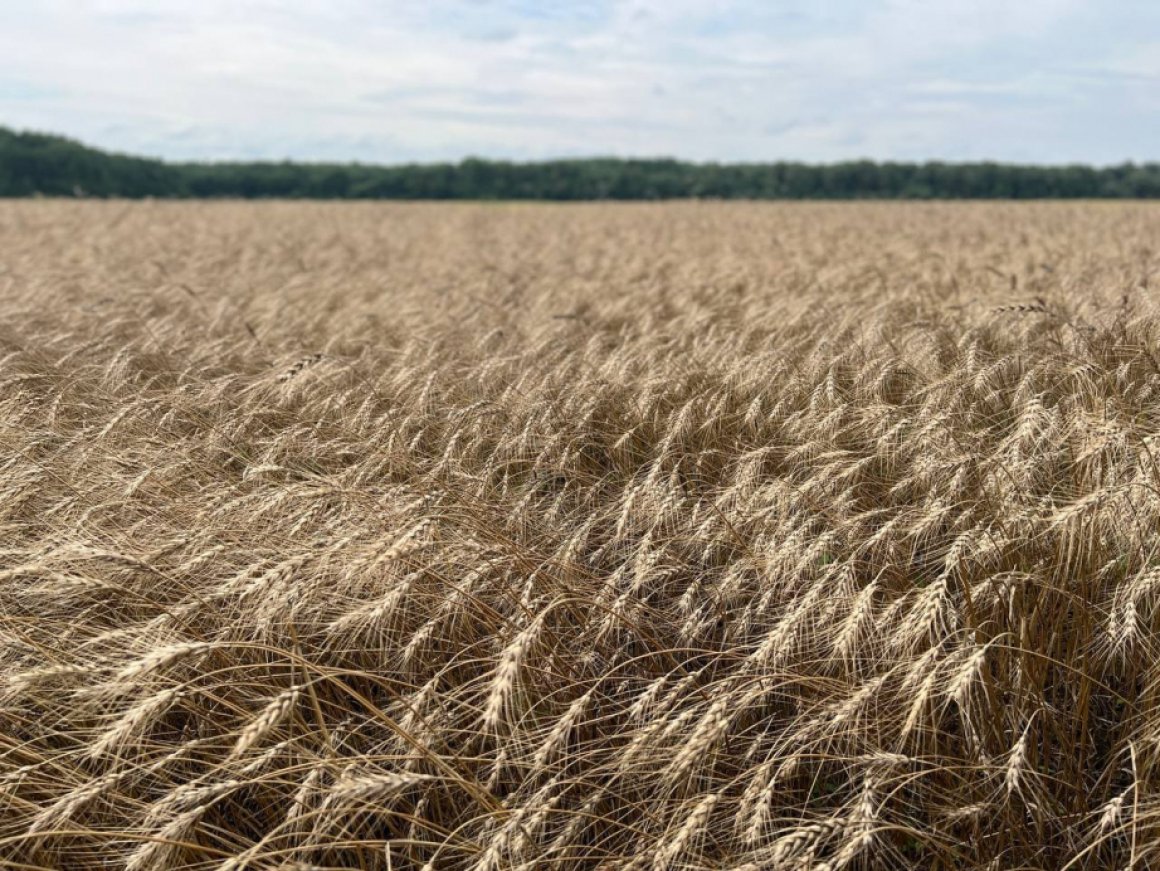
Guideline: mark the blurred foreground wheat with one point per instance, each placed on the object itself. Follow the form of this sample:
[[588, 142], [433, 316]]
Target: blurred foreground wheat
[[654, 537]]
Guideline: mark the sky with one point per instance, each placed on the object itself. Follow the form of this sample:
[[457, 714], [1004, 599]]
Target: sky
[[1033, 81]]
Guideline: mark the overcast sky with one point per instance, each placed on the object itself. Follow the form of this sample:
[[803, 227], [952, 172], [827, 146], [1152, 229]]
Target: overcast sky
[[1016, 80]]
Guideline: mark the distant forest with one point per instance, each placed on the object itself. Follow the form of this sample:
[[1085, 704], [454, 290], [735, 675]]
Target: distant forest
[[34, 164]]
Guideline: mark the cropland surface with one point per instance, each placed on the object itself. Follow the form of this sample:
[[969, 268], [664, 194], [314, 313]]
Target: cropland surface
[[667, 536]]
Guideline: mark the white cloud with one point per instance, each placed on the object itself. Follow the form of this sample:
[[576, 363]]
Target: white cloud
[[1043, 80]]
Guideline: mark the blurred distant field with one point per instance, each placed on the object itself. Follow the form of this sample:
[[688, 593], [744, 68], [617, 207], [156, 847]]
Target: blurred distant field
[[657, 536]]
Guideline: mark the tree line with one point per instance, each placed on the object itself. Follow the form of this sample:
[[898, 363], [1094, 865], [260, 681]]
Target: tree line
[[34, 164]]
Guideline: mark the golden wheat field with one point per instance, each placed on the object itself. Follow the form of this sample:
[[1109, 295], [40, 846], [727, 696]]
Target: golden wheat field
[[673, 536]]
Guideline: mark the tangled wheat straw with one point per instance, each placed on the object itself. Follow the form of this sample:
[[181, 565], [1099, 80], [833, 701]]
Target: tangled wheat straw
[[656, 537]]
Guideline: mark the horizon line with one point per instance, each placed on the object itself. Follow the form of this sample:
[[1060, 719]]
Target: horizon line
[[579, 158]]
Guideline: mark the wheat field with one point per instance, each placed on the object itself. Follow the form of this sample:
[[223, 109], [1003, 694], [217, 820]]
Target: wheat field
[[667, 536]]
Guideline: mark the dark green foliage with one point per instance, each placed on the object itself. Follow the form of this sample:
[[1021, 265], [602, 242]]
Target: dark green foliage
[[32, 163]]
